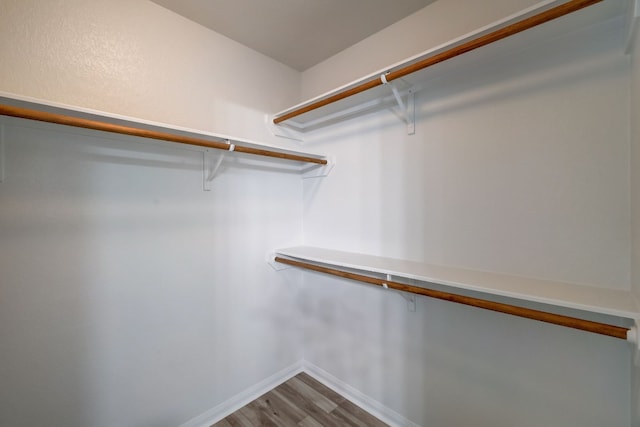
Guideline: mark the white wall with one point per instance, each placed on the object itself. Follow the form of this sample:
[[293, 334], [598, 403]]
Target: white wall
[[130, 297], [518, 166], [635, 160], [140, 60], [416, 33], [635, 197]]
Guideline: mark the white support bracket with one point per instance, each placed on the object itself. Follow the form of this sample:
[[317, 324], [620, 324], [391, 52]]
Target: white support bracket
[[1, 152], [409, 297], [277, 266], [282, 131], [211, 163], [320, 171], [407, 113], [633, 336], [411, 301], [631, 25]]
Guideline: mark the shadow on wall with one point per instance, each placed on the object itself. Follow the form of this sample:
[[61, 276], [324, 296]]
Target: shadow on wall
[[518, 166], [104, 261]]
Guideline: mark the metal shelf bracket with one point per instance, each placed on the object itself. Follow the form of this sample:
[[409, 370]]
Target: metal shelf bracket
[[277, 266], [407, 113], [283, 131], [211, 162], [320, 171], [633, 337], [410, 298], [1, 152], [631, 25]]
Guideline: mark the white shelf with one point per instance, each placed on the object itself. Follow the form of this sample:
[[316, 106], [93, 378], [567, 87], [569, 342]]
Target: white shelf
[[382, 97], [612, 302], [76, 112]]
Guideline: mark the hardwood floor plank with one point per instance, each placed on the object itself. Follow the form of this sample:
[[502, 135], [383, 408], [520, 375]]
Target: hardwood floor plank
[[309, 422], [260, 416], [280, 411], [357, 415], [222, 423], [288, 406], [321, 388], [311, 394], [344, 419], [237, 419], [320, 415]]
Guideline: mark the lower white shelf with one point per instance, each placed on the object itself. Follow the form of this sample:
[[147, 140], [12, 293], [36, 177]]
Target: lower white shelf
[[592, 299]]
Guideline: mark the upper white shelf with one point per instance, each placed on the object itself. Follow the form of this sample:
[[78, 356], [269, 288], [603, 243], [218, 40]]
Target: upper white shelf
[[612, 302], [411, 75], [310, 164]]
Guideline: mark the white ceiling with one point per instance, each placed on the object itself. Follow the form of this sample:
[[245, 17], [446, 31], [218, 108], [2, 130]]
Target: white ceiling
[[299, 33]]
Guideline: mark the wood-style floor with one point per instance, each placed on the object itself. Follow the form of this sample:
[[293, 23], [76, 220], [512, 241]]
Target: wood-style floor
[[300, 402]]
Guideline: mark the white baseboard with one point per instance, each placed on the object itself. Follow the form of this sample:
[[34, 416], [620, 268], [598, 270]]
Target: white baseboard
[[360, 399], [241, 399], [236, 402]]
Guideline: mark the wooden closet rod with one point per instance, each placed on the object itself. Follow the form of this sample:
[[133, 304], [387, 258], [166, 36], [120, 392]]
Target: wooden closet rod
[[60, 119], [515, 28], [542, 316]]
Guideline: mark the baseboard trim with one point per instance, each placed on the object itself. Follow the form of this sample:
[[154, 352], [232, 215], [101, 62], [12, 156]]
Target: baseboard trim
[[241, 399], [370, 405], [236, 402]]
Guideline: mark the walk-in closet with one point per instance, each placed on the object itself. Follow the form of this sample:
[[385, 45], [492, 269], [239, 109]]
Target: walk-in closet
[[436, 225]]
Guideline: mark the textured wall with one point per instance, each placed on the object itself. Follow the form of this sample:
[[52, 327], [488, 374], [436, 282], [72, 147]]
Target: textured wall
[[635, 195], [130, 297], [635, 158], [137, 59]]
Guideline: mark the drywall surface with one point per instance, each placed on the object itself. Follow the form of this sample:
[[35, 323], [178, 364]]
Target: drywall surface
[[138, 59], [129, 296], [520, 166], [635, 159], [635, 198], [431, 26], [529, 152]]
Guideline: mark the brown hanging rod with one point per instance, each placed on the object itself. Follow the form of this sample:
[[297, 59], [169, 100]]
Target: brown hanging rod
[[502, 33], [60, 119], [542, 316]]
